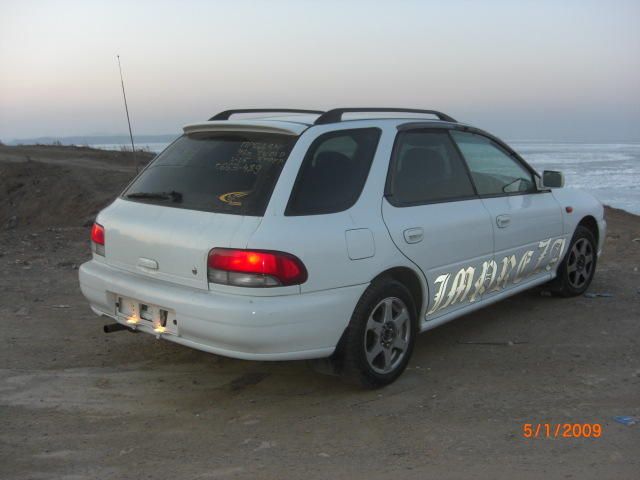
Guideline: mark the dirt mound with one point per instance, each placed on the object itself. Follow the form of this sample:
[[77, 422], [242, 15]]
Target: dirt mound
[[41, 186]]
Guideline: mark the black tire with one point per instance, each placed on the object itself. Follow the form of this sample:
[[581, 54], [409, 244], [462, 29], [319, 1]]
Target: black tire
[[578, 267], [360, 341]]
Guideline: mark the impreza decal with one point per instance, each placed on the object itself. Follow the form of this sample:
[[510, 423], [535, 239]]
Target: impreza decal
[[464, 286]]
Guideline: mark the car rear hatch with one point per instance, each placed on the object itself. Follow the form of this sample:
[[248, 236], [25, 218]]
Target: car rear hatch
[[168, 243], [208, 189]]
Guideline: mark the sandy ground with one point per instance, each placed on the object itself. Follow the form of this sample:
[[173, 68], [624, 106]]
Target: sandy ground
[[76, 403]]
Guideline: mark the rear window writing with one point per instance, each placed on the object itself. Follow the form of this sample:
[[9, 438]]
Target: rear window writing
[[215, 172], [252, 156]]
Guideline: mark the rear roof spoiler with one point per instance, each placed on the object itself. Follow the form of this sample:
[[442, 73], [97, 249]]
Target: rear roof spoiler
[[257, 126]]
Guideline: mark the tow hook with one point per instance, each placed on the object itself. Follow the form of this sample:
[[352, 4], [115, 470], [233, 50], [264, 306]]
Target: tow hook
[[116, 327]]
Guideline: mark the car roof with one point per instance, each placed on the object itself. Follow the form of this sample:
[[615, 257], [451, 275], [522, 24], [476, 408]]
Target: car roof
[[294, 121]]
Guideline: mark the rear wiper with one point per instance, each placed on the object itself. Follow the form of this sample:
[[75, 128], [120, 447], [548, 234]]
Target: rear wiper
[[174, 196]]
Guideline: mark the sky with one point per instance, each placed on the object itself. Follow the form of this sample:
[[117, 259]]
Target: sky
[[526, 70]]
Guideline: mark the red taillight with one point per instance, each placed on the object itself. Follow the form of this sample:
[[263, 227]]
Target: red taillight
[[97, 239], [255, 268], [97, 234]]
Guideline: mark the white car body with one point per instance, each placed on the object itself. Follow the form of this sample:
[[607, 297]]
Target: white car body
[[453, 254]]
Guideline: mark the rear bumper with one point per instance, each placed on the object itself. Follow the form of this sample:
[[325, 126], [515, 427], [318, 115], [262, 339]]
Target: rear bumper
[[287, 327]]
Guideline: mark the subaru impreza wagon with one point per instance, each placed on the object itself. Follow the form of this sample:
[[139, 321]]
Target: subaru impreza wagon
[[335, 235]]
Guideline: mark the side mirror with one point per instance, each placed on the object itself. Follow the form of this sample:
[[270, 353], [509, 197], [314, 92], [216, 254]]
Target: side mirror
[[552, 179]]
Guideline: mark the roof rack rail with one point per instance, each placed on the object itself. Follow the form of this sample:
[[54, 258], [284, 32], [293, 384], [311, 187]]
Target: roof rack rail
[[335, 115], [227, 113]]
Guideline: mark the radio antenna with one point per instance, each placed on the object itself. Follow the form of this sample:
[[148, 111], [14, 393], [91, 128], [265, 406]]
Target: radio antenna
[[126, 109]]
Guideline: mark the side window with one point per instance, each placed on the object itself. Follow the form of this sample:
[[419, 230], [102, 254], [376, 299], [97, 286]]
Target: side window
[[494, 172], [427, 168], [333, 172]]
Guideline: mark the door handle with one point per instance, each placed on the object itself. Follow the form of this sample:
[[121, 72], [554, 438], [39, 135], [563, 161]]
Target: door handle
[[503, 221], [413, 235]]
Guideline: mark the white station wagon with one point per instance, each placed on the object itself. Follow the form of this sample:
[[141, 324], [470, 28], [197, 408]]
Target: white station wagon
[[306, 235]]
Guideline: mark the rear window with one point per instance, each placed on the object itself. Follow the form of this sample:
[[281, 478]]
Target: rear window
[[215, 172]]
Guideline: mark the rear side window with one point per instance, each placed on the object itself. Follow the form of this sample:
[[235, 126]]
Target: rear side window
[[428, 169], [215, 172], [333, 172]]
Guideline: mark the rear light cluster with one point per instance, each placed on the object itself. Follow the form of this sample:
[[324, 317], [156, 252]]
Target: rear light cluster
[[254, 268], [97, 239]]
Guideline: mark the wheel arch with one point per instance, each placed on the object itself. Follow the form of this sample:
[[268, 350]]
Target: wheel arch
[[412, 280], [591, 224], [417, 286], [560, 284]]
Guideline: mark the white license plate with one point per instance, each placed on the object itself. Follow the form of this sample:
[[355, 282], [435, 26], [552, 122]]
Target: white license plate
[[137, 312]]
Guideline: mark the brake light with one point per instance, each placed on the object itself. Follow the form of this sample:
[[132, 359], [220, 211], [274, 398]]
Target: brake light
[[254, 268], [97, 239]]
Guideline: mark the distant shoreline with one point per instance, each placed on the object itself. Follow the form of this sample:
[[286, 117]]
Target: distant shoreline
[[93, 139]]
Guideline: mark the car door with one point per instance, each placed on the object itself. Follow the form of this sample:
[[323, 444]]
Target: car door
[[526, 220], [436, 219]]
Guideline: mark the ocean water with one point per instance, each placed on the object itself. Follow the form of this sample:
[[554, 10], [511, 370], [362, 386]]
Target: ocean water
[[610, 171]]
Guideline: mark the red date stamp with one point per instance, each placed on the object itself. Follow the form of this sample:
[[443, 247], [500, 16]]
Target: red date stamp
[[562, 430]]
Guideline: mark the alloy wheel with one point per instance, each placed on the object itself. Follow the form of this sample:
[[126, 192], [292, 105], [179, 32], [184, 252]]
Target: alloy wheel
[[387, 335], [580, 263]]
